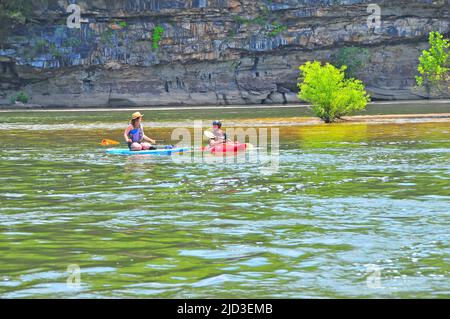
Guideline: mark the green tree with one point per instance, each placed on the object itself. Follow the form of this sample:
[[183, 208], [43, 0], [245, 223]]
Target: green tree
[[434, 64], [330, 93]]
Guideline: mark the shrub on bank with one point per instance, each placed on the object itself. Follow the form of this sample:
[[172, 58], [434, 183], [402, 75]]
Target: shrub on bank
[[330, 93], [20, 97]]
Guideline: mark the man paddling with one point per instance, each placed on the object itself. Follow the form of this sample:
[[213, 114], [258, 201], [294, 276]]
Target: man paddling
[[134, 134]]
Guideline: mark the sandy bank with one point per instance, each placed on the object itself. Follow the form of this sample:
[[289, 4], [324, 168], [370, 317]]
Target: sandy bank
[[38, 108]]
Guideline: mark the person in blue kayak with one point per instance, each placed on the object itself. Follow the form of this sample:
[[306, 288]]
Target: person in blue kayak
[[134, 135], [220, 137]]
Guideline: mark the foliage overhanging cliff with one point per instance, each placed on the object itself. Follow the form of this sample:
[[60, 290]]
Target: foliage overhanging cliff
[[210, 51]]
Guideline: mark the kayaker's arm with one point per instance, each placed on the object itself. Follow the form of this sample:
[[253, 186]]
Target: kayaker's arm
[[145, 137], [148, 139], [125, 134]]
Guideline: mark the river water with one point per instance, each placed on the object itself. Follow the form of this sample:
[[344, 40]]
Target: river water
[[351, 210]]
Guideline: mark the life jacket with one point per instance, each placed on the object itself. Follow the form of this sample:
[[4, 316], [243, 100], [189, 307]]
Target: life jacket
[[137, 134], [220, 135]]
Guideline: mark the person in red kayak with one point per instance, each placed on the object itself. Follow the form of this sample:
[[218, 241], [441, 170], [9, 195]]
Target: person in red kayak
[[134, 134], [220, 136]]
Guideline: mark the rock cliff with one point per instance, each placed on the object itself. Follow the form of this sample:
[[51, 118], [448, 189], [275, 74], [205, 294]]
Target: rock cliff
[[213, 52]]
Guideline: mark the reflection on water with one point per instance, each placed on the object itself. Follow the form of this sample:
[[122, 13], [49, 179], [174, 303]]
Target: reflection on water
[[344, 197]]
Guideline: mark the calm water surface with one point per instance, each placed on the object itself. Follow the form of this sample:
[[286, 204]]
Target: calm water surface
[[344, 197]]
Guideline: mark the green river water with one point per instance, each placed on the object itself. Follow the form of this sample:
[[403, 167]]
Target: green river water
[[345, 198]]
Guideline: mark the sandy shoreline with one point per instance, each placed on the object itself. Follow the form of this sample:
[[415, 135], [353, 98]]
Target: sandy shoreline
[[31, 108], [243, 123], [439, 114], [432, 117]]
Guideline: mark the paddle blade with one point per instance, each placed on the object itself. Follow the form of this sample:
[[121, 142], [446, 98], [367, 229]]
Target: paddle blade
[[209, 134], [106, 142]]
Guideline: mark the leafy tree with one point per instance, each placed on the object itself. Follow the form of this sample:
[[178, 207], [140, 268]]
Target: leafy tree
[[330, 93], [434, 64]]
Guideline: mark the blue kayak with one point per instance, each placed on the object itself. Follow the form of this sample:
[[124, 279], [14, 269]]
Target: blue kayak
[[126, 151]]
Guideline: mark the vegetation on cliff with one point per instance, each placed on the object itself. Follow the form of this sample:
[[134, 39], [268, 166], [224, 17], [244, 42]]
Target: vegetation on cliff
[[354, 58], [158, 32], [331, 94], [268, 23], [434, 65], [13, 12]]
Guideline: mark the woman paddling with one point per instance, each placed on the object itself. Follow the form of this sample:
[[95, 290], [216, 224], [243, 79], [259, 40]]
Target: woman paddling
[[134, 134]]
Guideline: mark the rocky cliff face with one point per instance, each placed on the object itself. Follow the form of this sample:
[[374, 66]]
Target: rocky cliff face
[[213, 52]]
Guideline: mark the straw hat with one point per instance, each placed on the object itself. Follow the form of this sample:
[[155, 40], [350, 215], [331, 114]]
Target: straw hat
[[136, 115]]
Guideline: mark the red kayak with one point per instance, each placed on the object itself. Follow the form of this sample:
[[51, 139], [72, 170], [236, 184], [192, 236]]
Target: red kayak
[[227, 147]]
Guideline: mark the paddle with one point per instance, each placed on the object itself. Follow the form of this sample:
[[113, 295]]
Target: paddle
[[108, 142], [209, 135]]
